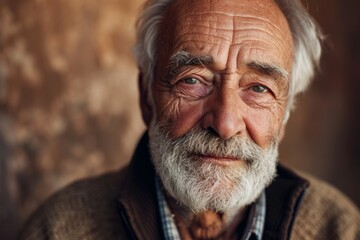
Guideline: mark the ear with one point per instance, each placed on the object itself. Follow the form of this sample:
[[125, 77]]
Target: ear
[[146, 109]]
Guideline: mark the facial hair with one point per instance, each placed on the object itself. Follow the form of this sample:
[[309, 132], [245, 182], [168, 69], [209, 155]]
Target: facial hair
[[204, 185]]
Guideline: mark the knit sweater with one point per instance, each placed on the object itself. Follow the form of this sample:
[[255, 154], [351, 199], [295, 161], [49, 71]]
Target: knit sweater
[[325, 213], [122, 205]]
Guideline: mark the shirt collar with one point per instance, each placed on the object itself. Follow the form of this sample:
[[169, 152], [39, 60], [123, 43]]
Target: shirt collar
[[167, 218], [256, 219], [254, 226]]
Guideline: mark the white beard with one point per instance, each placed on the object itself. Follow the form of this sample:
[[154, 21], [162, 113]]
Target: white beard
[[200, 185]]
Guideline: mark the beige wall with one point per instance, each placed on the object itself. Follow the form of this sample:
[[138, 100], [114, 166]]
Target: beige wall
[[69, 101], [68, 96]]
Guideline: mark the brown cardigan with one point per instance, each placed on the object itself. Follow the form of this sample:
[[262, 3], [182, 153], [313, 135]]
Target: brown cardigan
[[122, 205]]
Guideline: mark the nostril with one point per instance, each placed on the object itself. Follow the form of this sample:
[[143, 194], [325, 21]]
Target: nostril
[[212, 132]]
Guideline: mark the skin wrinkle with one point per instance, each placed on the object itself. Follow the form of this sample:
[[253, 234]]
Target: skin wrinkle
[[179, 40], [182, 94], [246, 41], [285, 74], [276, 72], [259, 105], [173, 108], [202, 44], [165, 88], [272, 25], [211, 10], [244, 29], [193, 72], [263, 20], [183, 58], [242, 16], [259, 29], [256, 49]]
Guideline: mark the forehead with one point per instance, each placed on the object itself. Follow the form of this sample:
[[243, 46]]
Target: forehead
[[245, 28]]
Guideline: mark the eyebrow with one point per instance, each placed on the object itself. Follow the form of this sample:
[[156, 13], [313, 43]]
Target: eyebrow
[[269, 69], [183, 58]]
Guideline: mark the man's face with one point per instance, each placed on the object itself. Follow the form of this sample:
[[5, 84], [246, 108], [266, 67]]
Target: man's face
[[222, 70]]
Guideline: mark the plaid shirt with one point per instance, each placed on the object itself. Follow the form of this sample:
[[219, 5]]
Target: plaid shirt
[[254, 226]]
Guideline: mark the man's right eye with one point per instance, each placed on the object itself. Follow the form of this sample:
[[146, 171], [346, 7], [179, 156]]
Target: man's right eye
[[190, 80], [259, 89], [192, 88]]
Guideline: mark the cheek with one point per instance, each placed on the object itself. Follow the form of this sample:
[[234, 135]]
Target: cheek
[[263, 125], [180, 115]]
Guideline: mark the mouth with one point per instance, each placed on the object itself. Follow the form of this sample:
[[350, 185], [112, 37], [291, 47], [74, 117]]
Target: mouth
[[219, 159]]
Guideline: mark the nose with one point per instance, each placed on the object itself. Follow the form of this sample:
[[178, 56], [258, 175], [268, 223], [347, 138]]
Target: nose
[[225, 114]]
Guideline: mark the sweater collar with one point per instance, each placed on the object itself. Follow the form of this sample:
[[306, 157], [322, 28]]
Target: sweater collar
[[137, 200]]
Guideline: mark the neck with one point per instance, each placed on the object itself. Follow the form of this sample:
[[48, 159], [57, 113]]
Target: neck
[[208, 224]]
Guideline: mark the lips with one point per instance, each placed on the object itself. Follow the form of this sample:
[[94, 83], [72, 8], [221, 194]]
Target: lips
[[217, 158], [225, 158]]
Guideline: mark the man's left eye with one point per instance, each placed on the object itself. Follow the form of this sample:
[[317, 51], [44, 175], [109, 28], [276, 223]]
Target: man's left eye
[[259, 89]]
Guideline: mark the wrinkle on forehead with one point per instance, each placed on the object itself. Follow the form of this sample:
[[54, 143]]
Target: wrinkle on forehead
[[194, 19], [233, 22], [230, 8], [227, 24]]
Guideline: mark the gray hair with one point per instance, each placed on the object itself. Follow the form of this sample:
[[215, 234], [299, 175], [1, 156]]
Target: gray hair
[[306, 34]]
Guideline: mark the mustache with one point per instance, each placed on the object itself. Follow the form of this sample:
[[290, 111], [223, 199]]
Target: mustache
[[206, 142]]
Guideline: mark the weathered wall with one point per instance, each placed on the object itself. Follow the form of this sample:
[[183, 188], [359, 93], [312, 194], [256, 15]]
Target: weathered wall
[[68, 99]]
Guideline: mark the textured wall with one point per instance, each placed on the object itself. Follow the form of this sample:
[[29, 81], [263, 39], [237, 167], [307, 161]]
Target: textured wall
[[68, 96], [68, 99]]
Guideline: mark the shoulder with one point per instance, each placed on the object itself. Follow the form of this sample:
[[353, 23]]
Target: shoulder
[[325, 213], [76, 211]]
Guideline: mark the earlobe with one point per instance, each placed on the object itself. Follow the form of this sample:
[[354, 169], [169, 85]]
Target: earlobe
[[146, 109]]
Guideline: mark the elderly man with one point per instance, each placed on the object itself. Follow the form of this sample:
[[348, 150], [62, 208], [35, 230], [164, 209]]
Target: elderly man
[[217, 80]]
